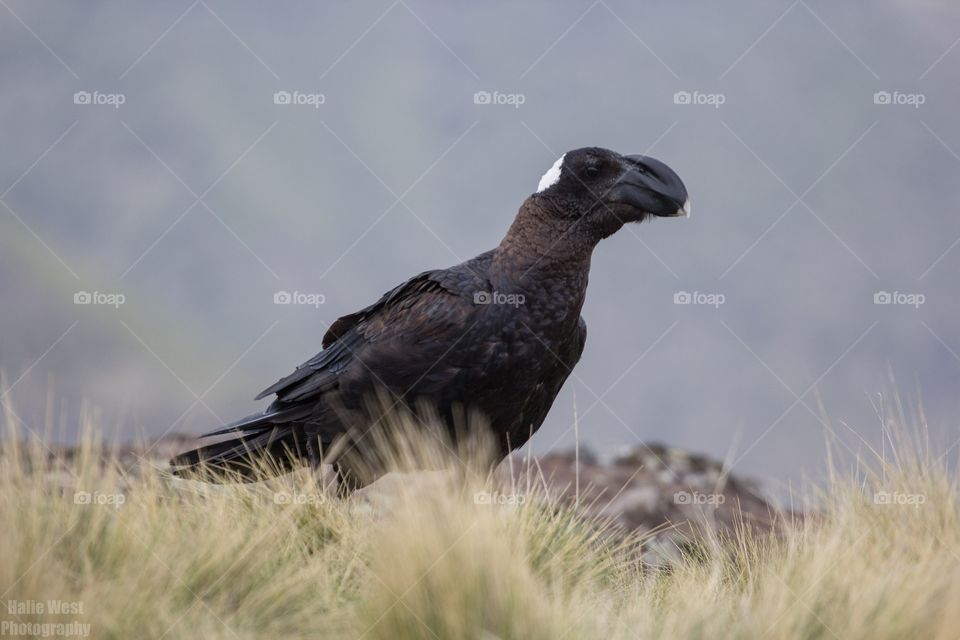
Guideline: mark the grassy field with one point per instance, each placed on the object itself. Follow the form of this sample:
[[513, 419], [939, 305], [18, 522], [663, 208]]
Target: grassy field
[[89, 550]]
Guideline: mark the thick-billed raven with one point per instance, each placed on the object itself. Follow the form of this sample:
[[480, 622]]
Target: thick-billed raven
[[497, 334]]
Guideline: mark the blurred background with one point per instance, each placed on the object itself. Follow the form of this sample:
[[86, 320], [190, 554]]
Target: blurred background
[[169, 170]]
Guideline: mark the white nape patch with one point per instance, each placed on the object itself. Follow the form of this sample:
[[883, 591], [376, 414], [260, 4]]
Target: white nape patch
[[686, 209], [552, 175]]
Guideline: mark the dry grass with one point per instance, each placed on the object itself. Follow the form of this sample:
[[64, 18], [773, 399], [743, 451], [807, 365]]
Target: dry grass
[[179, 560]]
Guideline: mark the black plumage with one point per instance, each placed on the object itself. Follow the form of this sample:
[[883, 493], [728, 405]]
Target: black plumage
[[498, 334]]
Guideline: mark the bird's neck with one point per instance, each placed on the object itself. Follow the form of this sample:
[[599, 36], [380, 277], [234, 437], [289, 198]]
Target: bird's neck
[[541, 249]]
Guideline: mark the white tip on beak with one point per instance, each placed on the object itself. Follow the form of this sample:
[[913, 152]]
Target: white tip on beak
[[686, 209]]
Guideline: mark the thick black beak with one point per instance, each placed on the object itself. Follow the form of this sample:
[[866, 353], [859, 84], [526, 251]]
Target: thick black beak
[[651, 187]]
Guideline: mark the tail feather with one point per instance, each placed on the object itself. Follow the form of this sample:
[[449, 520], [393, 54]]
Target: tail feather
[[264, 420], [244, 454]]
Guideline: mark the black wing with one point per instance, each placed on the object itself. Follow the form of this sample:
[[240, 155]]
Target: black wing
[[405, 327]]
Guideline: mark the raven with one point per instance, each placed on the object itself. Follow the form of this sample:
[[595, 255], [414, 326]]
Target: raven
[[497, 334]]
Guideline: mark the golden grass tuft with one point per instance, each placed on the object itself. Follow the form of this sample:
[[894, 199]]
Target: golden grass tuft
[[435, 556]]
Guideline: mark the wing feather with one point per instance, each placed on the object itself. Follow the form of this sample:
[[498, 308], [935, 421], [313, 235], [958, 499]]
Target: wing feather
[[421, 309]]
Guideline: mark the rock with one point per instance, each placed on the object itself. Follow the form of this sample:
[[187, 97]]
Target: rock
[[679, 495]]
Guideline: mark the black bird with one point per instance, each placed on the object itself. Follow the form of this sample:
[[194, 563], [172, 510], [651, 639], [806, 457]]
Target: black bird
[[497, 334]]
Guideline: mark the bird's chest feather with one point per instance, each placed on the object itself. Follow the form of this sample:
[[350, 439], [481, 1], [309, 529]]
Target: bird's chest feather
[[527, 349]]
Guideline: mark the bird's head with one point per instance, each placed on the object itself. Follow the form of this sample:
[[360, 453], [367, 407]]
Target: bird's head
[[605, 190]]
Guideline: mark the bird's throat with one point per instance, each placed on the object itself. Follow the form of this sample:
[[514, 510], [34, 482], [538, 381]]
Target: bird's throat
[[544, 258], [539, 240]]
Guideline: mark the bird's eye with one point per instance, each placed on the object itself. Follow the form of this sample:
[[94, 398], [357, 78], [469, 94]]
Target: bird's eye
[[592, 172]]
